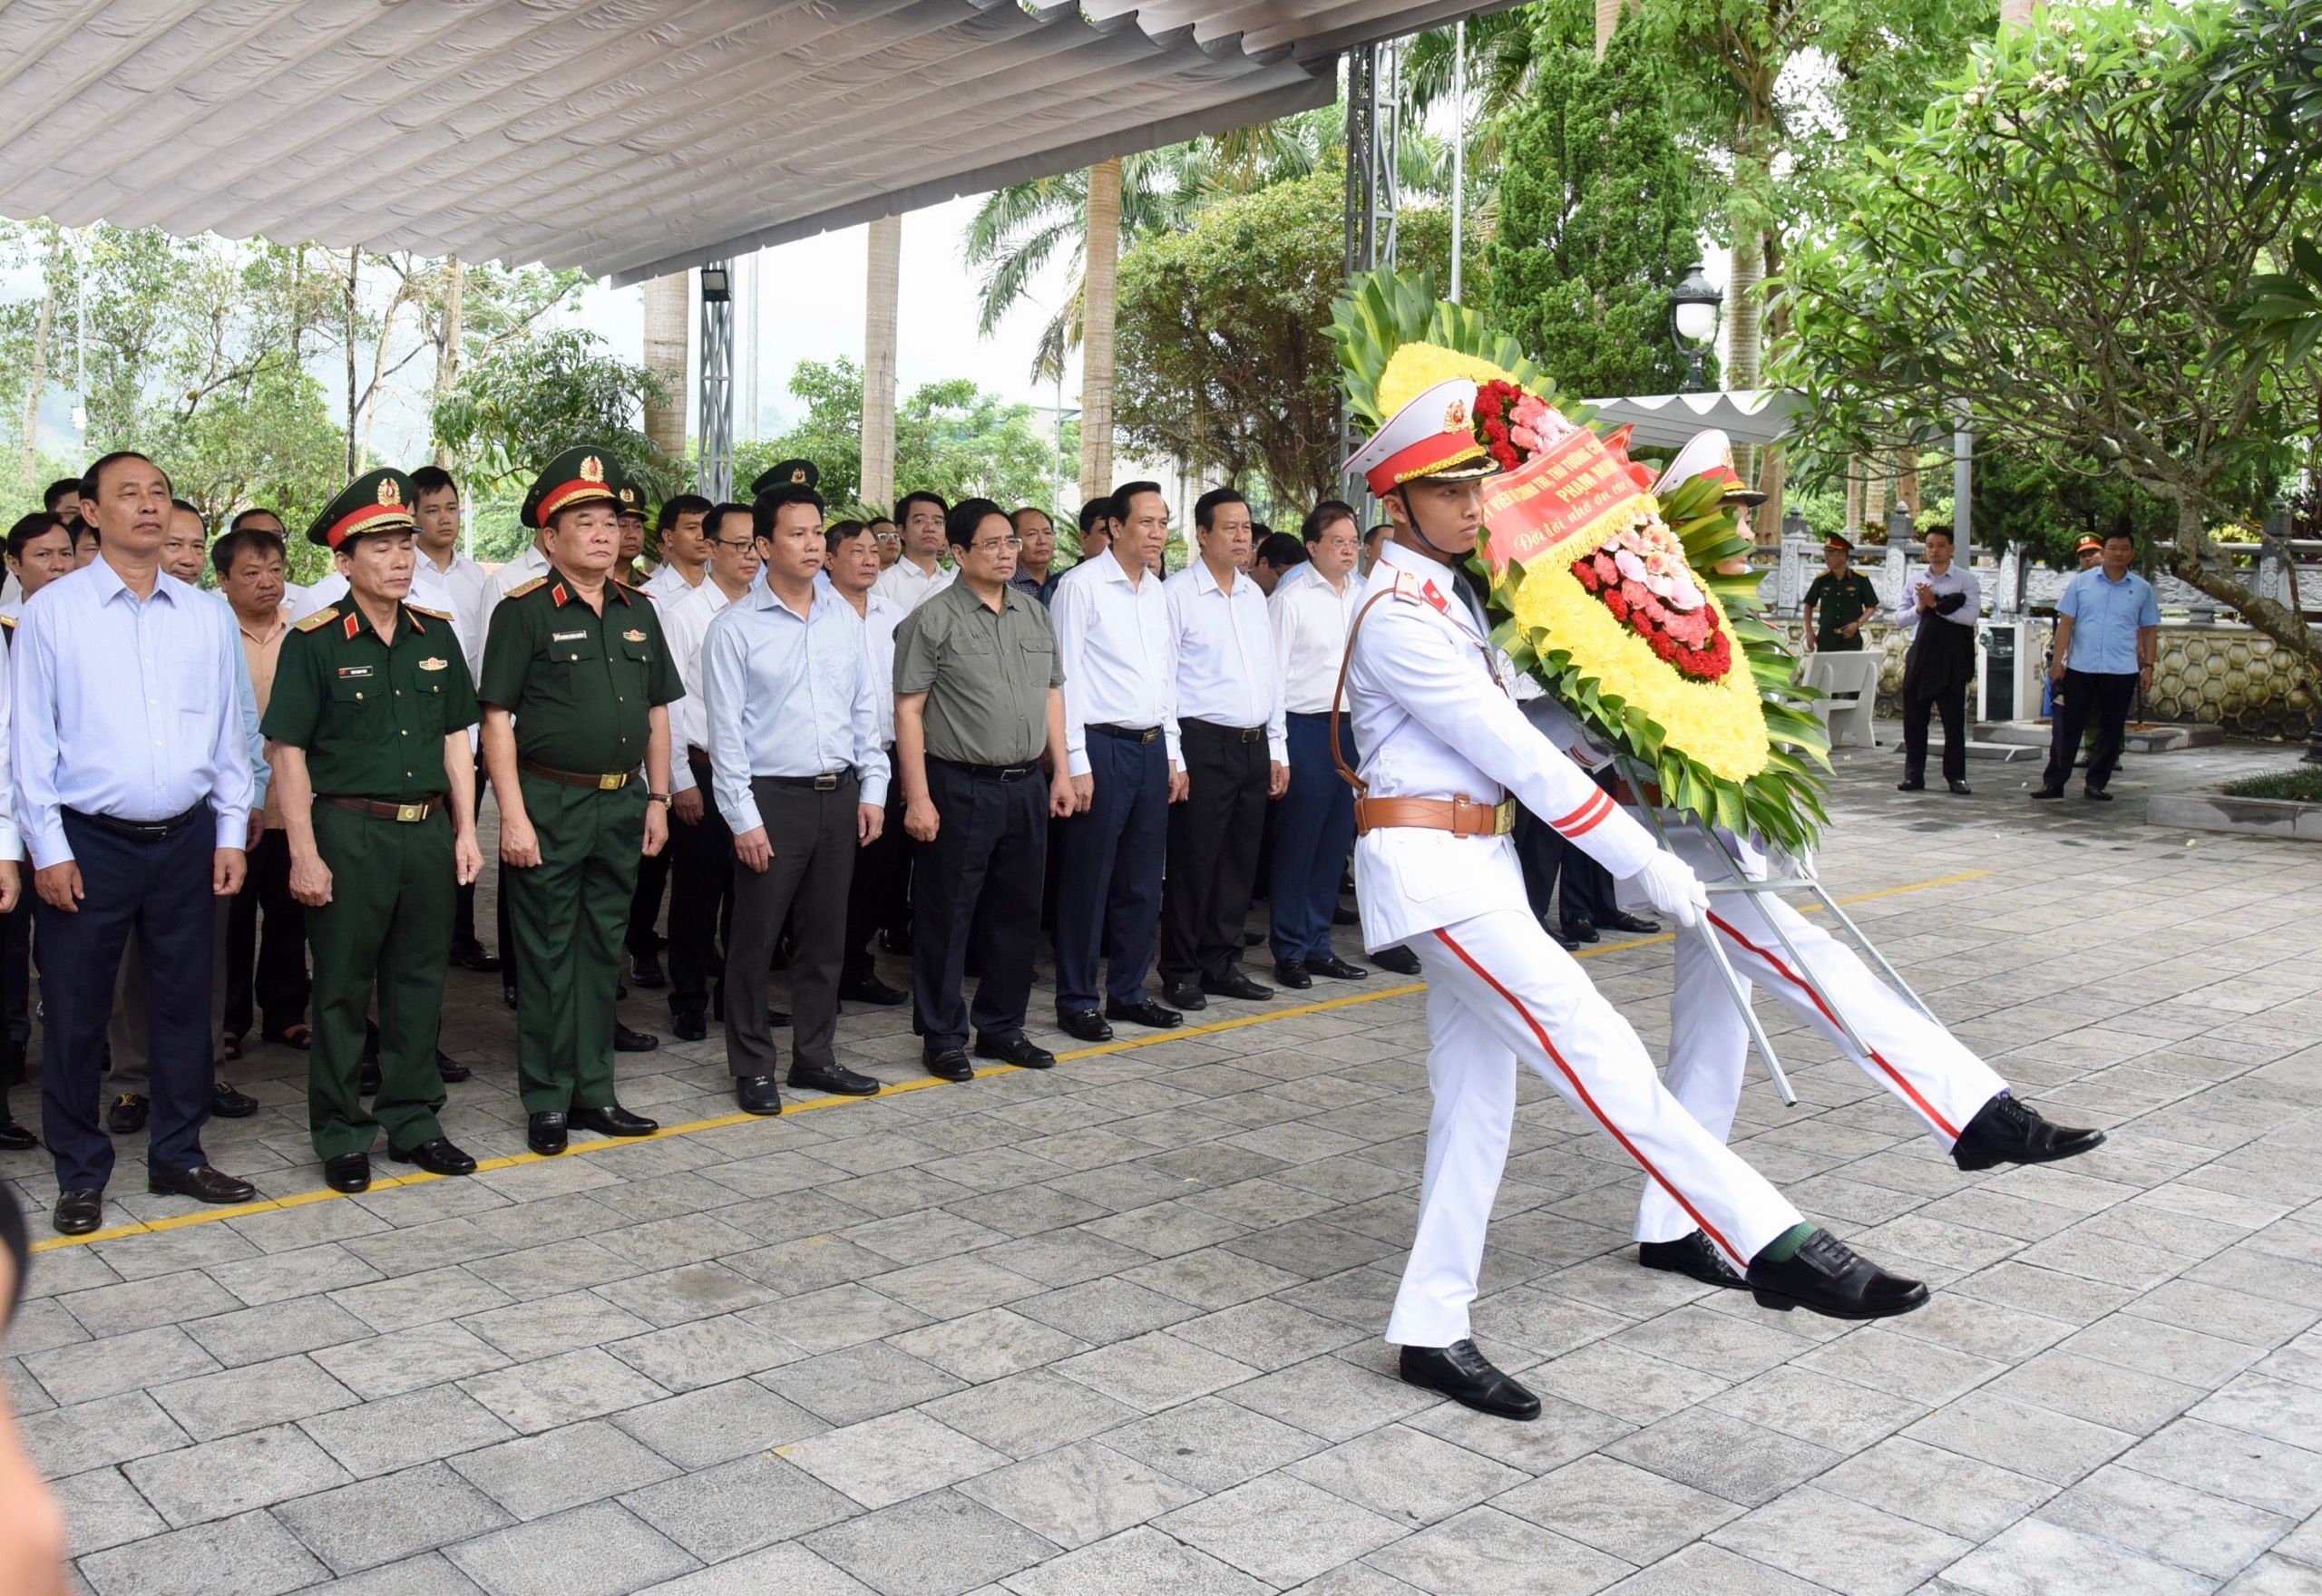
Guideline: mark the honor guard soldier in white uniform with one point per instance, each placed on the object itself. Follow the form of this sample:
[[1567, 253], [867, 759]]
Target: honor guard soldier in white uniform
[[1443, 747]]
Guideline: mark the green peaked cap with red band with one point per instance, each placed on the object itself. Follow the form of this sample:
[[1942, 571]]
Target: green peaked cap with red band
[[375, 501], [580, 475]]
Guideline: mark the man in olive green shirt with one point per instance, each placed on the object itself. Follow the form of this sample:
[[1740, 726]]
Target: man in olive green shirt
[[977, 705], [367, 730], [575, 682], [1840, 602]]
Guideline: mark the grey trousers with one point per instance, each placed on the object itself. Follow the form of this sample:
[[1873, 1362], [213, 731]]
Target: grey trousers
[[806, 883]]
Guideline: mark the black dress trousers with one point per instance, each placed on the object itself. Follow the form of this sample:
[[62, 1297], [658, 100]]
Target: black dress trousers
[[979, 881], [1212, 849]]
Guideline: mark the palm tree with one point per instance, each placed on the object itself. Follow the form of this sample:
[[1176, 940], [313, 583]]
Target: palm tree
[[668, 299], [882, 280], [1100, 255]]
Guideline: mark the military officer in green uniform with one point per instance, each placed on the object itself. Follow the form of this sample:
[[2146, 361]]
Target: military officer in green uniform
[[367, 735], [575, 684], [1840, 602]]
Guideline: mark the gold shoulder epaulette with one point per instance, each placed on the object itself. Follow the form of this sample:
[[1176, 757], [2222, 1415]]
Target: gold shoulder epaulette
[[319, 619], [443, 615], [518, 592], [9, 621]]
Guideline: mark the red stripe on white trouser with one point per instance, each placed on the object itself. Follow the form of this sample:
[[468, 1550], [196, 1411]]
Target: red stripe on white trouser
[[1900, 1082]]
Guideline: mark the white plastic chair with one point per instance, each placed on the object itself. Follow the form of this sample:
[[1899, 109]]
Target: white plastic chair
[[1850, 722]]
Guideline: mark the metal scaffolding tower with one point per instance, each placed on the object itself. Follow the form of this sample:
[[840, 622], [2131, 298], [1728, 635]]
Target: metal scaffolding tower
[[1374, 123], [717, 395]]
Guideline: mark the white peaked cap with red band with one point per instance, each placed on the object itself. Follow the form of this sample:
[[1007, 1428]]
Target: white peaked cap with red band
[[1709, 454], [1434, 435]]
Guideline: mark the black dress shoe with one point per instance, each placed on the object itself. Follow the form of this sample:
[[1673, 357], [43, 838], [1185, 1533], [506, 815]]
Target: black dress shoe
[[871, 990], [1635, 925], [367, 1079], [1148, 1013], [349, 1173], [225, 1102], [1184, 994], [1291, 973], [2007, 1129], [757, 1094], [450, 1070], [645, 969], [1910, 786], [1086, 1024], [1695, 1255], [1577, 929], [1828, 1276], [1253, 939], [78, 1212], [949, 1063], [1234, 984], [775, 1018], [611, 1120], [200, 1183], [1467, 1377], [690, 1026], [1020, 1050], [476, 956], [838, 1082], [2044, 793], [438, 1157], [126, 1117], [508, 995], [1337, 968], [1961, 789], [896, 942], [627, 1041], [544, 1134], [2093, 794], [1399, 959], [1345, 916], [1556, 935], [15, 1137]]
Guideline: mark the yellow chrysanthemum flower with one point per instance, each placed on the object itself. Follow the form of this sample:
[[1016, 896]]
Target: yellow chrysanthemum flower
[[1721, 725], [1415, 368]]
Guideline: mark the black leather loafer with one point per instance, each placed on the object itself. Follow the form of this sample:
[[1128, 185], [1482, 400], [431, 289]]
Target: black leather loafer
[[838, 1081], [15, 1137], [1291, 973], [2007, 1129], [1337, 968], [349, 1173], [1148, 1013], [1963, 790], [1084, 1024], [2045, 792], [1695, 1256], [645, 969], [201, 1183], [757, 1094], [476, 956], [1910, 786], [127, 1116], [1577, 929], [2093, 794], [367, 1079], [1634, 925], [949, 1063], [627, 1041], [1235, 985], [544, 1134], [688, 1026], [1467, 1377], [1400, 960], [1184, 994], [611, 1120], [450, 1070], [78, 1212], [1020, 1050], [1828, 1276], [871, 990], [438, 1157], [225, 1102]]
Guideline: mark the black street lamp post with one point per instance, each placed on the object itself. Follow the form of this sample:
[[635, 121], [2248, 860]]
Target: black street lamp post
[[1692, 321]]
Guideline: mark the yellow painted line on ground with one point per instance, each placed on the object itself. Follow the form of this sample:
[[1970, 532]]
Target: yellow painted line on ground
[[204, 1216]]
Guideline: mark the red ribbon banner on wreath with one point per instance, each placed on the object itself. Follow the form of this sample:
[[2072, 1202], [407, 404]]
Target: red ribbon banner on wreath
[[1574, 484]]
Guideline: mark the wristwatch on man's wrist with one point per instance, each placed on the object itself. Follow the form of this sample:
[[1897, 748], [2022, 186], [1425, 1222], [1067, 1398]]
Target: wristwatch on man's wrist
[[657, 797]]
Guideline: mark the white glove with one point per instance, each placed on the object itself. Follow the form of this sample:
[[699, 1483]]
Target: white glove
[[1676, 890]]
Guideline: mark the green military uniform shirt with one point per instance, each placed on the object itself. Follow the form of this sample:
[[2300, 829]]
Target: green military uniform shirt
[[986, 673], [580, 683], [1836, 601], [372, 716]]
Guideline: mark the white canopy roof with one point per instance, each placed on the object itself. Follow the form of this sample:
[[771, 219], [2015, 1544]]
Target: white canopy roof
[[632, 137], [1666, 421]]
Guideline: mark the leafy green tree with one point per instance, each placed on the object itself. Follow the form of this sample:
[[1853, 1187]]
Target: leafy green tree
[[1225, 358], [951, 438], [527, 400], [1599, 220], [2070, 247]]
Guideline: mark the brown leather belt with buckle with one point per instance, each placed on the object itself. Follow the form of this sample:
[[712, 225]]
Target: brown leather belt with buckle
[[612, 782], [378, 809], [1462, 817]]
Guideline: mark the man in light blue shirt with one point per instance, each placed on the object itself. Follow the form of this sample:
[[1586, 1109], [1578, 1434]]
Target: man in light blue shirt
[[800, 776], [2108, 627], [134, 793]]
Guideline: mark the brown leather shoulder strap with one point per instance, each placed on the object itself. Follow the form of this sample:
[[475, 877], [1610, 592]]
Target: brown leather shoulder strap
[[1338, 693]]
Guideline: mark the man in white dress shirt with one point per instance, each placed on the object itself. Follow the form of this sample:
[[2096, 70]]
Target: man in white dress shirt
[[134, 791], [1315, 825], [877, 896], [1236, 754], [1121, 740], [442, 568], [701, 876], [1443, 747], [682, 527], [1939, 610], [919, 574]]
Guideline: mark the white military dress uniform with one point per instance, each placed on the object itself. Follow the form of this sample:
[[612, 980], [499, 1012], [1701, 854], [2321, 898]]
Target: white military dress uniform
[[1434, 721]]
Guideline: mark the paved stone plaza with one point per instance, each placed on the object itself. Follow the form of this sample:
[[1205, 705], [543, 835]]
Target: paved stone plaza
[[1115, 1329]]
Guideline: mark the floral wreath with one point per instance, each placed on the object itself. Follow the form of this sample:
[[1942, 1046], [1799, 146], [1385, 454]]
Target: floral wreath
[[1615, 605]]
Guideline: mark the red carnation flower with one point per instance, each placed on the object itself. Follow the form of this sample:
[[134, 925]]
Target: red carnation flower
[[1618, 606]]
